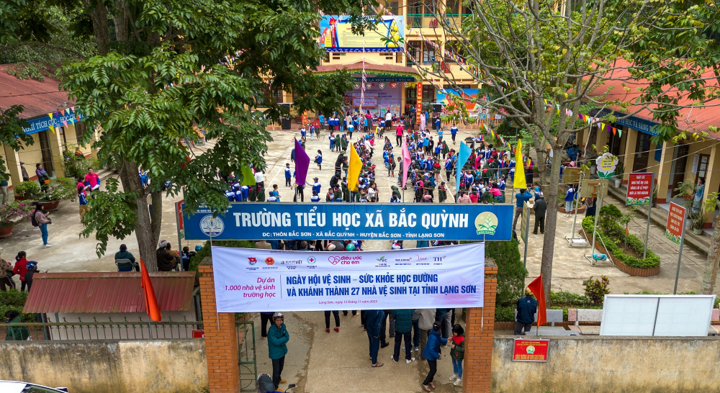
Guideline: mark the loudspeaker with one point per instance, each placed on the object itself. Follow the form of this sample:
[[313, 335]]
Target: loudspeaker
[[437, 108]]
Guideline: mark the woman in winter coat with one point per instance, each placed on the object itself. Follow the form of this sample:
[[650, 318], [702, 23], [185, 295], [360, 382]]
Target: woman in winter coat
[[21, 268], [403, 332], [457, 354], [278, 338], [432, 354]]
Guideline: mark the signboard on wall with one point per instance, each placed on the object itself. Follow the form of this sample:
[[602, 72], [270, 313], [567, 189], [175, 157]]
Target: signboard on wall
[[638, 192], [675, 222], [370, 221], [259, 280], [337, 36], [530, 350]]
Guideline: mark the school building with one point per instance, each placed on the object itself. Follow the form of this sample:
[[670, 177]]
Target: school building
[[686, 160], [54, 125], [393, 82]]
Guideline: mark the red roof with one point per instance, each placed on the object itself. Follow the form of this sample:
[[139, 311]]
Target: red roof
[[117, 292], [37, 98], [622, 87]]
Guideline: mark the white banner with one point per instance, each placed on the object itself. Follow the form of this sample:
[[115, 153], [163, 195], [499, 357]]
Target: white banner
[[257, 280]]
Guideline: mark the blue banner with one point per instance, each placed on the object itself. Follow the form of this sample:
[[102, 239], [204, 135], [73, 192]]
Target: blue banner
[[363, 221], [43, 123]]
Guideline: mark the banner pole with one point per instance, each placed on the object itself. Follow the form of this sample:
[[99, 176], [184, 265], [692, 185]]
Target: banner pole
[[647, 227], [177, 226], [527, 232], [572, 230], [677, 272], [597, 215]]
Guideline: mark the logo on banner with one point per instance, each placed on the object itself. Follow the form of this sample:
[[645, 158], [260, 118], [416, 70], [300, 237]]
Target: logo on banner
[[212, 226], [252, 261], [269, 261], [334, 260], [486, 223], [311, 260], [382, 259]]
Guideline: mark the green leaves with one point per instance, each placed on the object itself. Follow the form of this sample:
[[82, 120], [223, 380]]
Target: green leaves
[[111, 214]]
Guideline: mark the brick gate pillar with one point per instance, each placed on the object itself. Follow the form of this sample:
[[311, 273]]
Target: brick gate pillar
[[479, 329], [221, 343]]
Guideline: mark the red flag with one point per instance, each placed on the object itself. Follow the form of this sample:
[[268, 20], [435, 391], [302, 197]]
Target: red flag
[[151, 305], [539, 291]]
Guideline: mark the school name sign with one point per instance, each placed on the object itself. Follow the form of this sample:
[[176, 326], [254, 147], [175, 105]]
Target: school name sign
[[367, 221], [257, 280]]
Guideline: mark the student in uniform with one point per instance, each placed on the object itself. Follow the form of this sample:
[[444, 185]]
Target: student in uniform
[[288, 175]]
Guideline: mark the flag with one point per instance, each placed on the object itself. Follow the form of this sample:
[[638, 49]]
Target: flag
[[463, 156], [536, 286], [406, 160], [354, 169], [302, 164], [151, 305], [248, 177], [519, 181]]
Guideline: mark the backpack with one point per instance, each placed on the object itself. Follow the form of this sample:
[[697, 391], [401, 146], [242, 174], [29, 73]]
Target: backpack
[[33, 220], [265, 384]]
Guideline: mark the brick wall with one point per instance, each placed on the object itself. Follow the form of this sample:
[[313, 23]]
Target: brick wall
[[479, 329], [221, 342]]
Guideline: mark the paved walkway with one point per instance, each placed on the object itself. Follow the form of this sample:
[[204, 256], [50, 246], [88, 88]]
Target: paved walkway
[[321, 362], [570, 267]]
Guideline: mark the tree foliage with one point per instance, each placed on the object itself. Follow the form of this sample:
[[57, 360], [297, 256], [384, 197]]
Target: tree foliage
[[12, 134], [546, 60]]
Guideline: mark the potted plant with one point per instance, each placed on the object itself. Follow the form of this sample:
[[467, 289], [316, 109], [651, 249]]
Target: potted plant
[[29, 190], [684, 190], [10, 214], [619, 172], [59, 189]]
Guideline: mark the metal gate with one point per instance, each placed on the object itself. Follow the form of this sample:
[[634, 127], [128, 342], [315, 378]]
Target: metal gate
[[246, 355]]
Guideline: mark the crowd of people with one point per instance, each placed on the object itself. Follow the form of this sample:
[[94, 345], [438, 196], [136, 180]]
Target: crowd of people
[[421, 332]]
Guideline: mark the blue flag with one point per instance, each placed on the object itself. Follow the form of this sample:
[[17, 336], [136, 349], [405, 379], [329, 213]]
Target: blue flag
[[463, 156]]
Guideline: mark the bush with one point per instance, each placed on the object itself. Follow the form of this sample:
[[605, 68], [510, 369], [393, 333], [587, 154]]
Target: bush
[[205, 252], [505, 313], [595, 290], [15, 300], [511, 273], [613, 235], [28, 189], [566, 298]]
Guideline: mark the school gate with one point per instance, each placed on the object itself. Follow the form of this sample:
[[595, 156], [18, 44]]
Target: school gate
[[226, 354], [271, 221]]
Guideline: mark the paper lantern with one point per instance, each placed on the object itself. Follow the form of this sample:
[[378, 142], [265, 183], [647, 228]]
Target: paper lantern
[[381, 86], [393, 85]]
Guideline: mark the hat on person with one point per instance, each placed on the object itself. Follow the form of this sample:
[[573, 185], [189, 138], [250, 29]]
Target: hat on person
[[163, 243], [331, 247], [278, 315], [528, 292]]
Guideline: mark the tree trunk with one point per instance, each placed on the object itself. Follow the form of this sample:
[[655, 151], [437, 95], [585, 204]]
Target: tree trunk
[[147, 230], [121, 21], [711, 263], [99, 17], [551, 221]]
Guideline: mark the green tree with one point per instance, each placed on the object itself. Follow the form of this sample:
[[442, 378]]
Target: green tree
[[165, 67], [12, 134], [546, 61]]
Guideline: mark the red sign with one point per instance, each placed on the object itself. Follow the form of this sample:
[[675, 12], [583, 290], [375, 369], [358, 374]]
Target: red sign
[[675, 223], [304, 119], [198, 334], [530, 350], [639, 186], [419, 102]]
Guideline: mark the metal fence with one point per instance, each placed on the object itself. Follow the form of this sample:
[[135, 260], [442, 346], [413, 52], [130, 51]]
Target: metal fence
[[125, 330], [246, 355]]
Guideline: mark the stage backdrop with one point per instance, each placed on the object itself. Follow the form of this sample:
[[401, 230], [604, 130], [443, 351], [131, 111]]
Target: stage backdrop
[[257, 280], [354, 221], [337, 35]]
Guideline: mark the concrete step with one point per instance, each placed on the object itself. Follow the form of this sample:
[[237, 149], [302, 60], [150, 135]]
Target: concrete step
[[659, 218]]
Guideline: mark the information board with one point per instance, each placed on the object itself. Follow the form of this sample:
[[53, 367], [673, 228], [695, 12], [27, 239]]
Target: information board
[[675, 222], [355, 221], [638, 191], [386, 36], [530, 350]]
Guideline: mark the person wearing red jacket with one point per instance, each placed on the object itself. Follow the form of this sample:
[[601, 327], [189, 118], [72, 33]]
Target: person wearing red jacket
[[21, 268]]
